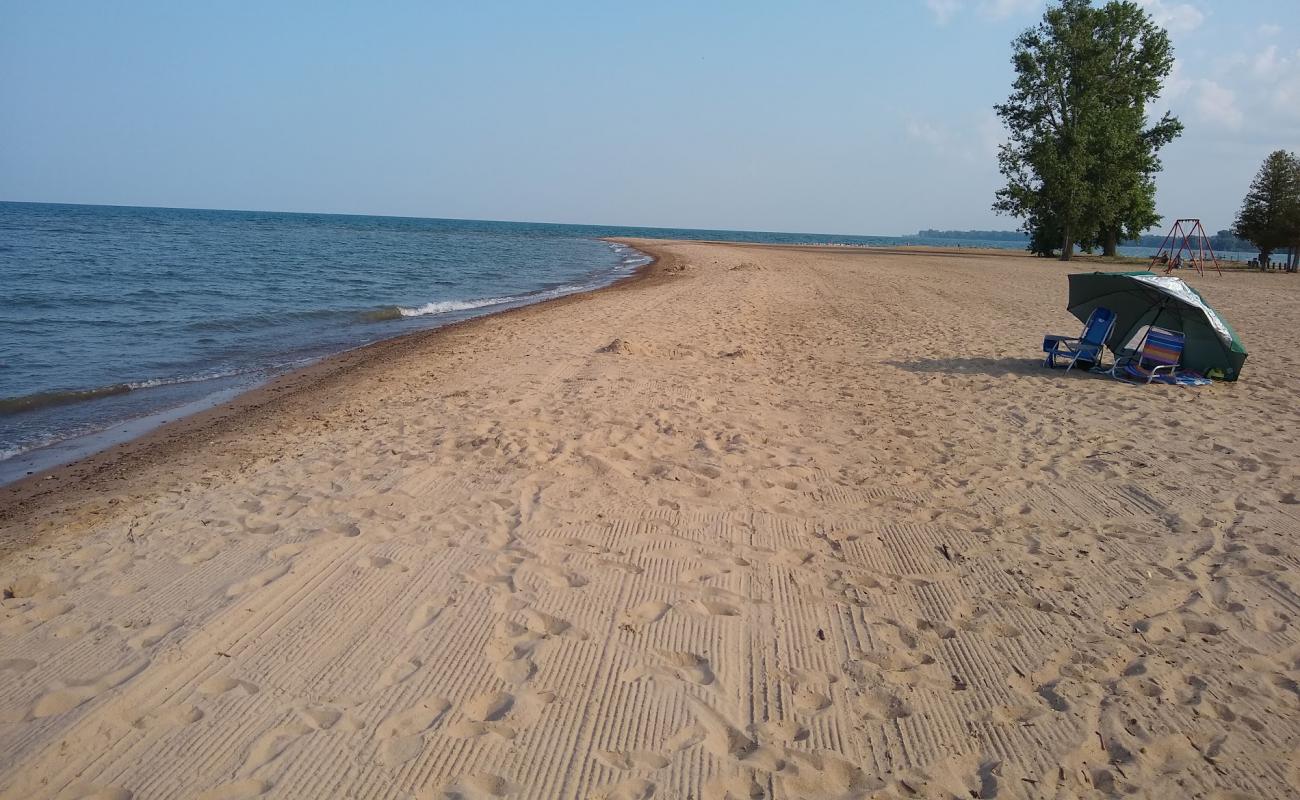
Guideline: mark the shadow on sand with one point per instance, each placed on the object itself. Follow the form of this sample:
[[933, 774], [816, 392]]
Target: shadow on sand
[[995, 367]]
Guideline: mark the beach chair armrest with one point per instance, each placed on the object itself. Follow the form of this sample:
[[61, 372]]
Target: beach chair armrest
[[1052, 342]]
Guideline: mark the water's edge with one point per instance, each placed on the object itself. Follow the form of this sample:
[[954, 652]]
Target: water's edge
[[35, 463]]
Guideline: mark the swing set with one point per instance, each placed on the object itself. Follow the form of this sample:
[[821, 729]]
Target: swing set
[[1190, 238]]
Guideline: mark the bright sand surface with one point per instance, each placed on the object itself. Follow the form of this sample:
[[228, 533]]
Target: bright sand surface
[[788, 522]]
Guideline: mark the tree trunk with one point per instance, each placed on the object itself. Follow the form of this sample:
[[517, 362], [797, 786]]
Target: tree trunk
[[1111, 245], [1067, 245], [1264, 256]]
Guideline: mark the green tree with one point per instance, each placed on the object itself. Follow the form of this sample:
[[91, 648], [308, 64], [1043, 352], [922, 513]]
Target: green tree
[[1270, 215], [1079, 161], [1135, 59]]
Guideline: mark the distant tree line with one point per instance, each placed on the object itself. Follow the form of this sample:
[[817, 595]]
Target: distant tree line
[[988, 236], [1223, 241]]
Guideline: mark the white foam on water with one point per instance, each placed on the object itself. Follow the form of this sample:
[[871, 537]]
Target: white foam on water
[[447, 306]]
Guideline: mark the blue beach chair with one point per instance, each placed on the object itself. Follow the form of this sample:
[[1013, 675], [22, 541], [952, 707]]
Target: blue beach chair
[[1088, 348]]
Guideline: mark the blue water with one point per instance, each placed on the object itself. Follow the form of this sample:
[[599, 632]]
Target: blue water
[[111, 314]]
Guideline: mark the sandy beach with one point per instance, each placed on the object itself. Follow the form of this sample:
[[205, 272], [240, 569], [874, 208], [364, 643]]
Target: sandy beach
[[790, 522]]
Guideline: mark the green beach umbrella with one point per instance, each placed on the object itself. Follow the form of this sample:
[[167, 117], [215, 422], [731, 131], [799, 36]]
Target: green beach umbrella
[[1144, 298]]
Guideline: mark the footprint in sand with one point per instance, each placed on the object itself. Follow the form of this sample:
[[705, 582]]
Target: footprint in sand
[[882, 705], [124, 588], [487, 713], [646, 613], [379, 562], [720, 736], [320, 718], [560, 578], [623, 566], [684, 739], [48, 611], [543, 624], [715, 608], [482, 786], [285, 551], [259, 526], [632, 789], [424, 614], [206, 552], [1012, 715], [681, 665], [494, 576], [347, 529], [397, 672], [173, 717], [271, 744], [62, 700], [16, 665], [402, 735], [633, 759], [784, 730], [258, 580], [152, 635], [517, 670], [238, 790], [810, 701], [43, 612], [221, 684], [85, 791], [688, 666], [489, 707]]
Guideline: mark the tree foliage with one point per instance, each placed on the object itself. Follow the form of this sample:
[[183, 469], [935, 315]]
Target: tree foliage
[[1080, 158], [1270, 215]]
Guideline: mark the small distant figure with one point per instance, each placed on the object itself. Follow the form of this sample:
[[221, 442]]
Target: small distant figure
[[1177, 263]]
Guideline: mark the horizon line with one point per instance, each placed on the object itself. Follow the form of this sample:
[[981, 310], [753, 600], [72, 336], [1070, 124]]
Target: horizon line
[[455, 219]]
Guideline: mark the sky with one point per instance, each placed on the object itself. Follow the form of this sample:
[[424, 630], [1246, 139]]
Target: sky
[[859, 117]]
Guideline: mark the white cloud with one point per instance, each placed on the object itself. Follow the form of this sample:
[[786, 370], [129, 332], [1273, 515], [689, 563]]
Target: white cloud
[[991, 133], [1174, 17], [926, 132], [1005, 8], [974, 139], [1269, 29], [1217, 104], [1250, 84], [1266, 63], [945, 10], [1285, 89]]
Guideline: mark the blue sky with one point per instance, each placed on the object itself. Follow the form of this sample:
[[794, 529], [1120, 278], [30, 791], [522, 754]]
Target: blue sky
[[842, 117]]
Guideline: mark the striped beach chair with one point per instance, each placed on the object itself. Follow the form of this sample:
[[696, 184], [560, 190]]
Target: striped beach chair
[[1155, 360], [1088, 348]]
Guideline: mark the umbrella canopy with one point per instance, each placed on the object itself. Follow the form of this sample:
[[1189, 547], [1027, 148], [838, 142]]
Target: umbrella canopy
[[1144, 298]]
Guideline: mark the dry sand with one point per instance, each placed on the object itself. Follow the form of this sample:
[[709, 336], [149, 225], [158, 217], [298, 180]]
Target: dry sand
[[787, 522]]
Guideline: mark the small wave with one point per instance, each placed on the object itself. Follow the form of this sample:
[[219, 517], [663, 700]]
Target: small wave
[[32, 402], [446, 306], [437, 307], [63, 397]]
